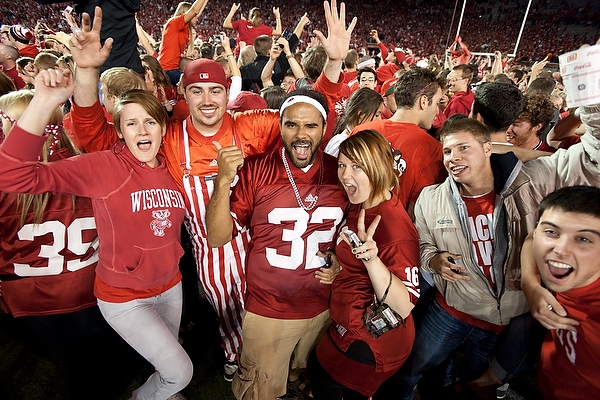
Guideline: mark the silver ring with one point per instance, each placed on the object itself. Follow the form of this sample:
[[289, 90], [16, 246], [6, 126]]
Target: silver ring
[[550, 307]]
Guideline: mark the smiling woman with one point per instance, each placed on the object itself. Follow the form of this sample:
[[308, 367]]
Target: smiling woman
[[350, 361], [137, 279]]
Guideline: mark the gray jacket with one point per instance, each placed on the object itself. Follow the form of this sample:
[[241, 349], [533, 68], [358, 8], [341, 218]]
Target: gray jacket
[[441, 219]]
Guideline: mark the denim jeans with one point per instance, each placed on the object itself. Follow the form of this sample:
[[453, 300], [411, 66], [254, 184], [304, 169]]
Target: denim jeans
[[151, 327], [437, 336], [518, 348]]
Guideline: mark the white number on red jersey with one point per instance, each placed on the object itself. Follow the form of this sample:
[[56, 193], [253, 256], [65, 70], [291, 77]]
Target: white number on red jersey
[[59, 232], [300, 250]]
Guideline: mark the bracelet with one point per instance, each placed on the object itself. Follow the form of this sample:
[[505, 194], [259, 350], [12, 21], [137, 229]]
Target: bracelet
[[229, 54], [289, 56]]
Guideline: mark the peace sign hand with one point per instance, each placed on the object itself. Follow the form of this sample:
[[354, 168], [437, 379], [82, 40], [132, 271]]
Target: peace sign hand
[[367, 251]]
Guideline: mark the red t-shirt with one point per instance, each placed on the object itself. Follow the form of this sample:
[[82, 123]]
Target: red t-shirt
[[569, 361], [349, 76], [480, 210], [460, 103], [421, 156], [281, 259], [13, 74], [248, 32], [175, 38]]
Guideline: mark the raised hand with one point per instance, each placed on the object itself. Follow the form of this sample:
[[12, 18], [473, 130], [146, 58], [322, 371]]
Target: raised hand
[[86, 48], [337, 42], [367, 251], [53, 86]]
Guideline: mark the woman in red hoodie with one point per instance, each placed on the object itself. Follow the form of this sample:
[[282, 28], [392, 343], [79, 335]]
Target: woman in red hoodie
[[138, 212]]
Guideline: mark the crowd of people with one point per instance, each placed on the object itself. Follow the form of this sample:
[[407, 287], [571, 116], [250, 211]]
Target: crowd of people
[[359, 208], [406, 24]]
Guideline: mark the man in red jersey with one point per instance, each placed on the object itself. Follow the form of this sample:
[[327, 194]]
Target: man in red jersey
[[290, 202], [417, 93], [566, 247], [8, 56]]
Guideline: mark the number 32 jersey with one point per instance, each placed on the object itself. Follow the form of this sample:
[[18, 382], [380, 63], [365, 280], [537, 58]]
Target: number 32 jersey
[[281, 259]]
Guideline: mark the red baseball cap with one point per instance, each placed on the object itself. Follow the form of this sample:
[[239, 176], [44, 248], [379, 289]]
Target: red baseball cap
[[204, 71]]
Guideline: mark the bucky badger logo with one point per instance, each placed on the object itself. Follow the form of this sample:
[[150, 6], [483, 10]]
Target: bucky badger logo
[[161, 222]]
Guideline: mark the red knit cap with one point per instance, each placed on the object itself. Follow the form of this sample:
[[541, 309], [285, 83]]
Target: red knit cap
[[21, 34], [204, 71]]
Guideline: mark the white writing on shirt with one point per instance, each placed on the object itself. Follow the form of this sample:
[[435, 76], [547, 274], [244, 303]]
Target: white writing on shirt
[[156, 198], [483, 241], [304, 247], [568, 340]]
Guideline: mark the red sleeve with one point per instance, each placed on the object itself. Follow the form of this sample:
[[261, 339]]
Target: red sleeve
[[332, 91], [95, 133], [242, 198], [21, 172], [384, 51], [258, 129], [22, 145]]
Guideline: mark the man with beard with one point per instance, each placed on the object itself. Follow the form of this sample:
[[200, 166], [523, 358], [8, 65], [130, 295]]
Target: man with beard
[[290, 202]]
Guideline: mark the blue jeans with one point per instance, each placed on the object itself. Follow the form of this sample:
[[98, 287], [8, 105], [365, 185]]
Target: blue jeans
[[151, 327], [437, 336], [518, 348]]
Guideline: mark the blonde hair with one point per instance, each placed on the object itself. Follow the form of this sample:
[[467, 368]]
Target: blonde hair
[[370, 150], [14, 104], [118, 80], [182, 8]]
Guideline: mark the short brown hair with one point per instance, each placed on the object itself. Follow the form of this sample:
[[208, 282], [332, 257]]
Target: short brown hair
[[314, 61], [479, 131], [144, 98], [369, 149]]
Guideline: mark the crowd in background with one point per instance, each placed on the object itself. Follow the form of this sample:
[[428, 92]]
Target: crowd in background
[[419, 25]]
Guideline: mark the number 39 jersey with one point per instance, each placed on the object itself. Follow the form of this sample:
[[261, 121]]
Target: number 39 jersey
[[281, 259], [48, 268]]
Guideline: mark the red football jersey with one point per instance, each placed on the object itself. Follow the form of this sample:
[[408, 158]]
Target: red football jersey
[[420, 156], [285, 238], [48, 268]]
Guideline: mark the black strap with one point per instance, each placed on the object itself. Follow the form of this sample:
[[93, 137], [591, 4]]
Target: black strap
[[386, 290]]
